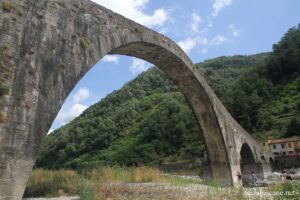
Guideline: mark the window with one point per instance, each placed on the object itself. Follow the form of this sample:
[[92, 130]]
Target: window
[[283, 153], [274, 146], [264, 144], [282, 146], [289, 145]]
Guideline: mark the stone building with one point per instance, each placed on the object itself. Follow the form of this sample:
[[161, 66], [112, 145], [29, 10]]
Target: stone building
[[284, 146]]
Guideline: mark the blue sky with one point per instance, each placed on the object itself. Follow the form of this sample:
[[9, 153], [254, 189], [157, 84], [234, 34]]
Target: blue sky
[[204, 29]]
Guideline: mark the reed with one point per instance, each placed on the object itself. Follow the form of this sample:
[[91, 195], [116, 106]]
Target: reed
[[47, 183], [132, 174]]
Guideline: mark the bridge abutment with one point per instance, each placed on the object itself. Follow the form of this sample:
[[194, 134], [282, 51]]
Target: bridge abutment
[[14, 177]]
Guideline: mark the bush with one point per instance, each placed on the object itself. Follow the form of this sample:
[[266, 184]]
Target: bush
[[45, 183], [294, 127], [8, 7], [290, 190], [86, 191]]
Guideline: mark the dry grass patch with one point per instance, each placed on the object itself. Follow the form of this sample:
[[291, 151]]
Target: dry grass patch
[[116, 183], [133, 175], [8, 6], [46, 183], [122, 191], [2, 118]]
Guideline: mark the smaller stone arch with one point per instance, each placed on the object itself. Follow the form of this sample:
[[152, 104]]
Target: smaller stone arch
[[272, 164], [248, 164]]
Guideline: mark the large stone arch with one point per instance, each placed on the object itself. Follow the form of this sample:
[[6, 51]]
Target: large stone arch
[[48, 46]]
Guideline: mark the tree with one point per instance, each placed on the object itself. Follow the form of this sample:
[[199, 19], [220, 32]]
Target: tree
[[284, 62], [294, 127]]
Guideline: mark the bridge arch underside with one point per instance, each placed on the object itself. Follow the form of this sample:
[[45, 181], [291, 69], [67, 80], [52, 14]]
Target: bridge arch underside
[[180, 72], [249, 165], [188, 81], [53, 53], [272, 164]]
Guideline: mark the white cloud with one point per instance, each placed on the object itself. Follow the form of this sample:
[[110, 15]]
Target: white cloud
[[209, 23], [189, 43], [163, 30], [233, 31], [219, 5], [158, 18], [196, 20], [134, 10], [66, 116], [81, 95], [139, 66], [205, 50], [111, 59], [217, 40], [50, 131]]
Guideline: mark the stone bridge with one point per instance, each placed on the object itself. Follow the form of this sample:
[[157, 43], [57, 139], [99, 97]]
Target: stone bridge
[[47, 46]]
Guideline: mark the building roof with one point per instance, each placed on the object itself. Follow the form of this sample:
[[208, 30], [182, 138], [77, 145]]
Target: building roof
[[284, 140]]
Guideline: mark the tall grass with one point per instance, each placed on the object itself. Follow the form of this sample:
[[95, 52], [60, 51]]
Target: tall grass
[[87, 191], [133, 183], [46, 183], [288, 190], [132, 174]]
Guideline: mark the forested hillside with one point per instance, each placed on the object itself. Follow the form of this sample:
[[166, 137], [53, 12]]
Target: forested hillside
[[148, 120]]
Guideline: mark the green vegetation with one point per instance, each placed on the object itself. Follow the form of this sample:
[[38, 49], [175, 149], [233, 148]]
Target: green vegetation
[[39, 16], [143, 183], [292, 188], [3, 89], [3, 71], [284, 62], [288, 190], [87, 191], [83, 44], [8, 7], [45, 183], [262, 92], [61, 3], [148, 120]]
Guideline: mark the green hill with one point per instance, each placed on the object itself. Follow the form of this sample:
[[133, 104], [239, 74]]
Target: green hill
[[148, 120]]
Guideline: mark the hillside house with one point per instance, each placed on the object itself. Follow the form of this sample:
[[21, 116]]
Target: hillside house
[[284, 146]]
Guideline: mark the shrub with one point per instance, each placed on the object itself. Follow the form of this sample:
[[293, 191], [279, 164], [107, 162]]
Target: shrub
[[47, 183], [2, 118], [86, 191], [8, 7], [290, 190], [83, 44], [132, 174]]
